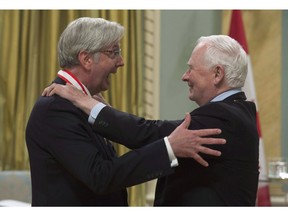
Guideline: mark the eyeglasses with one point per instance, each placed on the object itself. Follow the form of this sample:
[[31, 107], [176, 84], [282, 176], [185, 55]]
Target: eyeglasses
[[115, 53]]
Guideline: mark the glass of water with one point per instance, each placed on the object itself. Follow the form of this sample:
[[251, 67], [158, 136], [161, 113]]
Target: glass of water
[[278, 168]]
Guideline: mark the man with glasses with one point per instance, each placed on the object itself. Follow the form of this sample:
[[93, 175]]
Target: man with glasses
[[71, 165]]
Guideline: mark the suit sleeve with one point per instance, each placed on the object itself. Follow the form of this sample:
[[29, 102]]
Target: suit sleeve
[[130, 130], [63, 131]]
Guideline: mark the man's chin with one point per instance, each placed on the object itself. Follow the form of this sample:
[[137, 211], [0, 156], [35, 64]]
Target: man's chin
[[191, 98], [106, 86]]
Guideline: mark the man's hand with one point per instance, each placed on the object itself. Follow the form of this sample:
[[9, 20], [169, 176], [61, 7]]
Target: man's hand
[[188, 143], [76, 96]]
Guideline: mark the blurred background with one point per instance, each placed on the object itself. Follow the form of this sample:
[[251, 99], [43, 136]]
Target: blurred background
[[156, 48]]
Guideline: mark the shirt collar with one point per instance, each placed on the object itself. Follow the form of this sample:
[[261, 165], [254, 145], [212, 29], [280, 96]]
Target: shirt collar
[[226, 94]]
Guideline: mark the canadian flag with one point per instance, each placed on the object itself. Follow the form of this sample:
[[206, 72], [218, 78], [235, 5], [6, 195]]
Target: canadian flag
[[237, 32]]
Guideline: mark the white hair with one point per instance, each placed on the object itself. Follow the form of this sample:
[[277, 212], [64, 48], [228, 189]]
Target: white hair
[[227, 52]]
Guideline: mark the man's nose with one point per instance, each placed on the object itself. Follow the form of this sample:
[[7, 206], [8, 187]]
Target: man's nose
[[120, 62]]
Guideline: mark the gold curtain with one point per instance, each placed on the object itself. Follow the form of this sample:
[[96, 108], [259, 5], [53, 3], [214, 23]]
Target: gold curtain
[[28, 63]]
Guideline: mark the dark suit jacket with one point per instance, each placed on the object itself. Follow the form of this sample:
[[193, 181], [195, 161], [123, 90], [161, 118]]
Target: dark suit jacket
[[230, 180], [71, 165]]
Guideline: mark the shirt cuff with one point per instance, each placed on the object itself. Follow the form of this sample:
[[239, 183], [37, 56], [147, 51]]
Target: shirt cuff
[[172, 157], [95, 111]]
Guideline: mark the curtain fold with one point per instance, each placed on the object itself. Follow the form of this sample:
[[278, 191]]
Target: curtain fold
[[28, 63]]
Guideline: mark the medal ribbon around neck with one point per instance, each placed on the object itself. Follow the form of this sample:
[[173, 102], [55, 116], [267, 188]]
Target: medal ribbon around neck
[[70, 78]]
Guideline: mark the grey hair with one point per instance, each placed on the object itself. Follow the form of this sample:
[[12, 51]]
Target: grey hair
[[227, 52], [87, 34]]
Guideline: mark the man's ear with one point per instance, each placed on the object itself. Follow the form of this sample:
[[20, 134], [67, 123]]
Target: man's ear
[[219, 74], [85, 59]]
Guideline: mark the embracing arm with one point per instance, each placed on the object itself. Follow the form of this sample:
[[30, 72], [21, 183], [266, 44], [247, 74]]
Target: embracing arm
[[60, 140], [184, 142]]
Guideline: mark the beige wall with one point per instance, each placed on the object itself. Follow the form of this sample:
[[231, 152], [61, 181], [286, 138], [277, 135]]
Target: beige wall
[[263, 34]]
